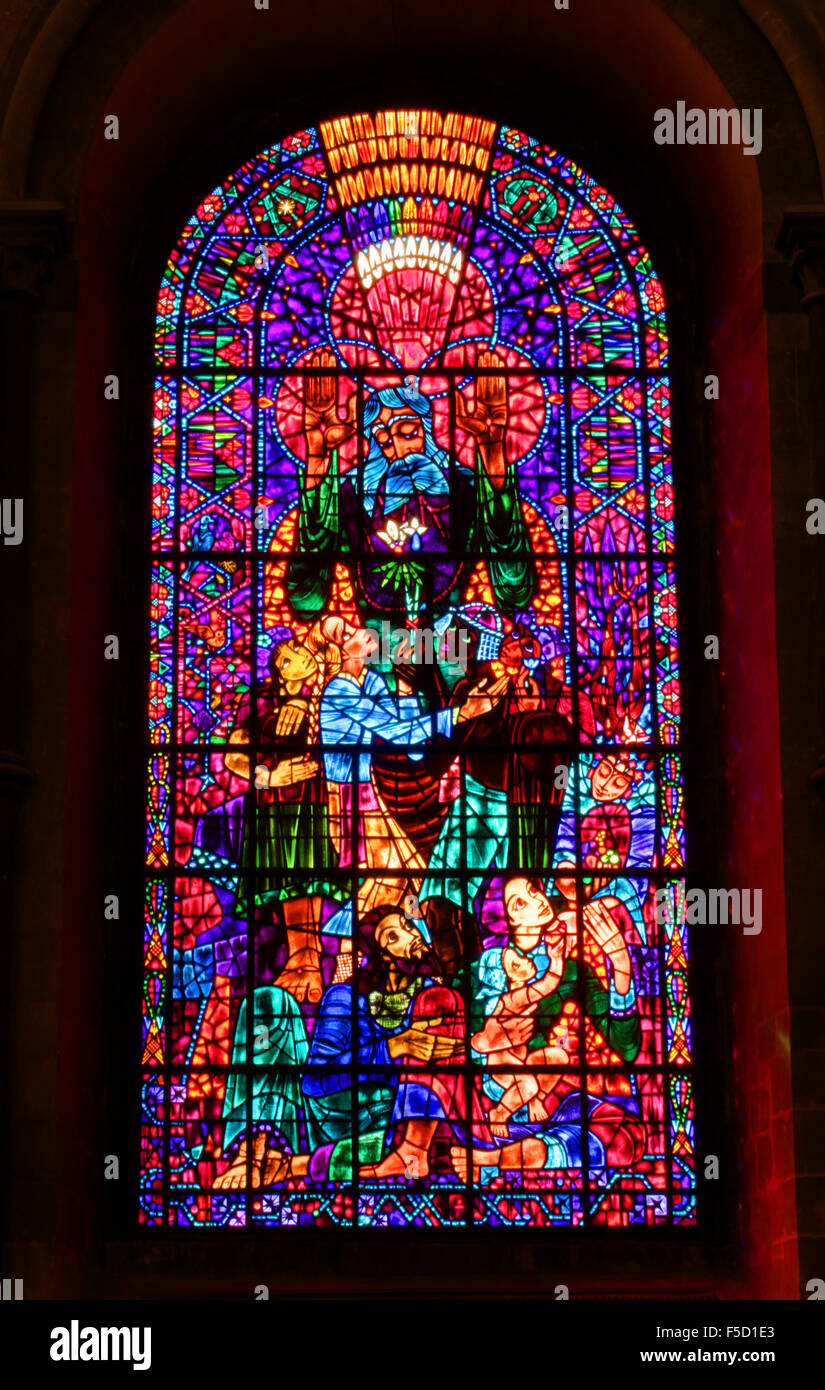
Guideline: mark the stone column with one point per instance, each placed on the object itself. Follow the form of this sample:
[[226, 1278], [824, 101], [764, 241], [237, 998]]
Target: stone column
[[800, 590], [31, 235], [802, 239]]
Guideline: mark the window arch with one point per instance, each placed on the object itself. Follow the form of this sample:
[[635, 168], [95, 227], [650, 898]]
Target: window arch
[[415, 799]]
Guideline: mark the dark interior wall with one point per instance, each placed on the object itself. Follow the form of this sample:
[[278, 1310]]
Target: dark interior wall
[[202, 91]]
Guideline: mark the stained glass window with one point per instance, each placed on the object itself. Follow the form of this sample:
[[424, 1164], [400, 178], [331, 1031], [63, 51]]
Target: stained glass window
[[414, 782]]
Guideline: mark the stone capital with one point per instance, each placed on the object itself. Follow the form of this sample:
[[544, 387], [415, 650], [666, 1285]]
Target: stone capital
[[801, 239], [31, 235]]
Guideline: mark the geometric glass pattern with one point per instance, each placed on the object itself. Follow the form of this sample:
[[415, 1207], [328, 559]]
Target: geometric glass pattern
[[414, 785]]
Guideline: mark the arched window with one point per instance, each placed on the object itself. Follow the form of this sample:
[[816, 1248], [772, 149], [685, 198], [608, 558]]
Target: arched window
[[415, 798]]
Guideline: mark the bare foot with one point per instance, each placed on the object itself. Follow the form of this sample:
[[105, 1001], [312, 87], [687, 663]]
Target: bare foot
[[499, 1121], [277, 1168], [407, 1161], [482, 1158], [537, 1111], [235, 1175], [526, 1154], [301, 977]]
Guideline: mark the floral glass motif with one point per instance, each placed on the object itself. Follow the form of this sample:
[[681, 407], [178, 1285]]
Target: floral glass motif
[[414, 777]]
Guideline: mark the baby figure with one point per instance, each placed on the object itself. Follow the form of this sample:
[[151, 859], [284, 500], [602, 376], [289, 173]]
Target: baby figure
[[521, 1000]]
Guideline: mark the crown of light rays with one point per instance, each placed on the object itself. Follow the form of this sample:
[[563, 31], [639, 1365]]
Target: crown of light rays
[[409, 253]]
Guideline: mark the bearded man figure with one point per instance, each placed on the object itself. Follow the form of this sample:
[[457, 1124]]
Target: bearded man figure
[[406, 1035], [410, 515]]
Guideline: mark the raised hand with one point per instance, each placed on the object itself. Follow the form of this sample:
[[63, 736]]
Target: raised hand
[[323, 427], [290, 718], [292, 770], [481, 698], [321, 393], [416, 1041], [491, 396], [488, 420], [599, 924]]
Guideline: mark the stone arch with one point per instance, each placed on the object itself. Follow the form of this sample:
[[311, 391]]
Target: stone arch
[[60, 79]]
